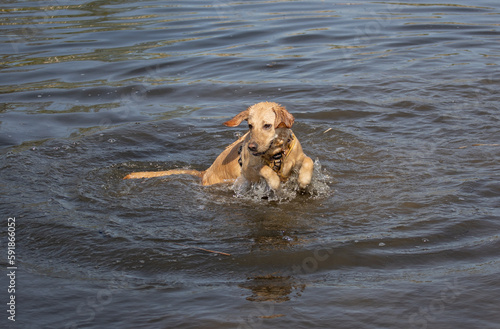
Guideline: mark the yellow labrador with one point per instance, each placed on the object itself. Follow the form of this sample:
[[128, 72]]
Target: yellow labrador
[[269, 150]]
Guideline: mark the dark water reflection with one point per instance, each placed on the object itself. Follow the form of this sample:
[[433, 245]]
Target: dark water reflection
[[397, 101]]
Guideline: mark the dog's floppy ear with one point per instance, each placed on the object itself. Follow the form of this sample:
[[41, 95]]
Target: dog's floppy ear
[[283, 118], [237, 119]]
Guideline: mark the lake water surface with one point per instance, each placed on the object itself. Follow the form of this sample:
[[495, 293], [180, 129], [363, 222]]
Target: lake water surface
[[397, 101]]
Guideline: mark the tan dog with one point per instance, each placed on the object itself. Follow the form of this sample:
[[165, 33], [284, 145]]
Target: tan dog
[[268, 150]]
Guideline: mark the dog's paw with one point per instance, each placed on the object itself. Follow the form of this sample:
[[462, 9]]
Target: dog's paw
[[305, 173], [304, 180], [274, 185], [271, 178]]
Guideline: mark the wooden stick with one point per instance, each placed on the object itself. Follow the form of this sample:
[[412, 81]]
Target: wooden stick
[[463, 147], [485, 144], [208, 250]]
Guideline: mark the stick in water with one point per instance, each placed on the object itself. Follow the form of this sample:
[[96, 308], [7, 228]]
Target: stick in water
[[212, 251], [463, 147]]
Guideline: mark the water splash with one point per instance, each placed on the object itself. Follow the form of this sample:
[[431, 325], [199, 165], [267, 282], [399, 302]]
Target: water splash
[[289, 190]]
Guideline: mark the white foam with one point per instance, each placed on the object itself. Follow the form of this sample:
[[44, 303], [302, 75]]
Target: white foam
[[288, 191]]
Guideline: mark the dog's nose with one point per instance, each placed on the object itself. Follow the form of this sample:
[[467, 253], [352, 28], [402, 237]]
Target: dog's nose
[[253, 147]]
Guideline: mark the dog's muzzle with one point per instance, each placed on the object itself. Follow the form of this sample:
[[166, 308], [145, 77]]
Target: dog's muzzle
[[253, 147]]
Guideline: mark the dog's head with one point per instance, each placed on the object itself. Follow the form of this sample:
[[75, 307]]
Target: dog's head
[[263, 120]]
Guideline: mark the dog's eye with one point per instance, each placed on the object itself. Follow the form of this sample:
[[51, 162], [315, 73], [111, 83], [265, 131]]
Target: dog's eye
[[250, 127], [267, 126]]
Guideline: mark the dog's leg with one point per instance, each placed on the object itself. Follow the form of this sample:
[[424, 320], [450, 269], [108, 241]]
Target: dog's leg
[[305, 172], [271, 177]]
